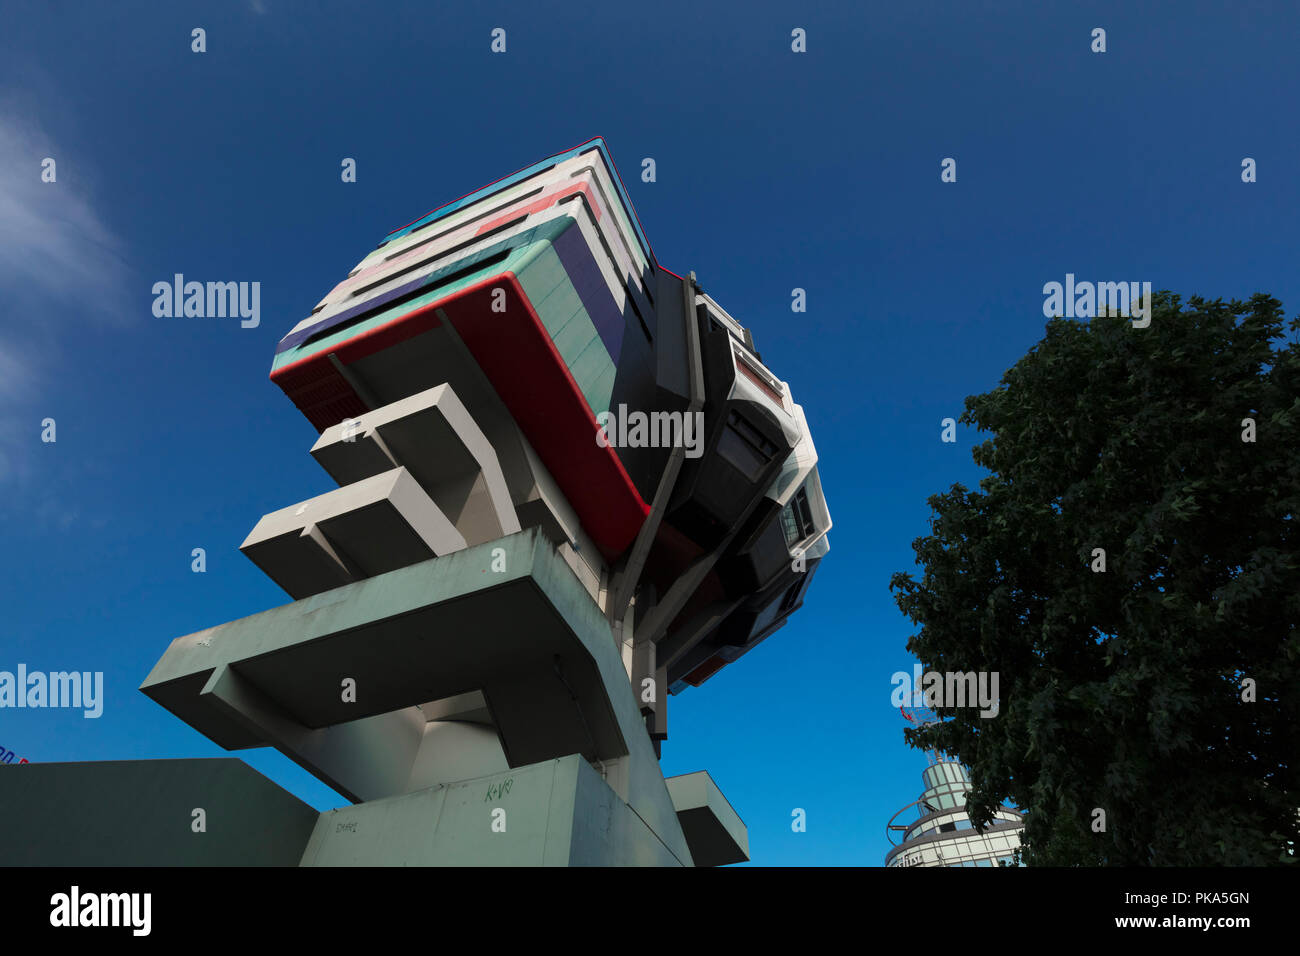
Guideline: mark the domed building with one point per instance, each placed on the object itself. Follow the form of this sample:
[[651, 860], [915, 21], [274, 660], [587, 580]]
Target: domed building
[[940, 832]]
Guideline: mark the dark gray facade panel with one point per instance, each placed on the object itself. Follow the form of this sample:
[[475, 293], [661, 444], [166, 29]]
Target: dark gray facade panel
[[142, 813]]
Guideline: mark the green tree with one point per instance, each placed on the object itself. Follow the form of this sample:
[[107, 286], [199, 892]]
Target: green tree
[[1123, 690]]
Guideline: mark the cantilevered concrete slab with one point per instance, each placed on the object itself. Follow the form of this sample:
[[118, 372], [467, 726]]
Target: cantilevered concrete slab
[[433, 436], [142, 813], [716, 834], [374, 525], [508, 617]]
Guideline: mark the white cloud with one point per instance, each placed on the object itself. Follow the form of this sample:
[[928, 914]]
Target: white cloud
[[60, 266], [54, 247]]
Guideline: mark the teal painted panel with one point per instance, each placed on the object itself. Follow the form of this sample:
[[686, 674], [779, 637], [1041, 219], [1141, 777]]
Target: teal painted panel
[[602, 390], [631, 224], [559, 305], [387, 315], [587, 371], [544, 280], [560, 301], [524, 248], [575, 338]]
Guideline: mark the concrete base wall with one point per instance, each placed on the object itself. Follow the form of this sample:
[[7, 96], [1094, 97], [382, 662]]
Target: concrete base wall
[[552, 813], [141, 813]]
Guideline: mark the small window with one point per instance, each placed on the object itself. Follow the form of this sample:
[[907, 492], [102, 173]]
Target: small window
[[796, 519], [744, 446]]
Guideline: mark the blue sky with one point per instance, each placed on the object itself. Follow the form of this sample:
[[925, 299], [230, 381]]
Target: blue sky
[[775, 170]]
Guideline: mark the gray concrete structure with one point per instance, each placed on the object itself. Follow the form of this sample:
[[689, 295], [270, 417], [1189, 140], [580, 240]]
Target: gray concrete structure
[[715, 832], [433, 436], [146, 813], [526, 554], [142, 813], [552, 813], [377, 524], [554, 688]]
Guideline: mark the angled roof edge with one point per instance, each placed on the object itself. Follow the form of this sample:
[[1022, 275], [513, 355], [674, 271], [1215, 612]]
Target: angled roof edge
[[598, 142]]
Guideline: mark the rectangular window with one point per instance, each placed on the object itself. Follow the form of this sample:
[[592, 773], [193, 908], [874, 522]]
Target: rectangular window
[[797, 522], [744, 446], [758, 378]]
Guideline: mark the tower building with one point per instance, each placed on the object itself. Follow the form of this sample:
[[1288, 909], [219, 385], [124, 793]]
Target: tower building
[[567, 488], [940, 833]]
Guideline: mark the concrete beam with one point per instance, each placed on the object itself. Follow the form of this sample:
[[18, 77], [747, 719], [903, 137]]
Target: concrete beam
[[517, 625], [436, 439], [366, 528], [715, 832]]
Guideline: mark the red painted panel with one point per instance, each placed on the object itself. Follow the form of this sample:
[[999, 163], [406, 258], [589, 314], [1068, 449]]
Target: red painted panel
[[706, 670], [535, 384], [743, 368], [545, 202], [518, 357]]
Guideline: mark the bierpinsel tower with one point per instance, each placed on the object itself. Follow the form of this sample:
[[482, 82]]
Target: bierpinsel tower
[[568, 488]]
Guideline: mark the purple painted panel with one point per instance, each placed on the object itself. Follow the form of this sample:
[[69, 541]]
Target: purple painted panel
[[593, 292]]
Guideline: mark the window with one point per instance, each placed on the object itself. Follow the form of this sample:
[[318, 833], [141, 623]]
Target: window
[[744, 446], [796, 518], [803, 512], [765, 381]]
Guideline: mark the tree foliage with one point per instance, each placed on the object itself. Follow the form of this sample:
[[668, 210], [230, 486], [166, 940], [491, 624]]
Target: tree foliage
[[1122, 690]]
